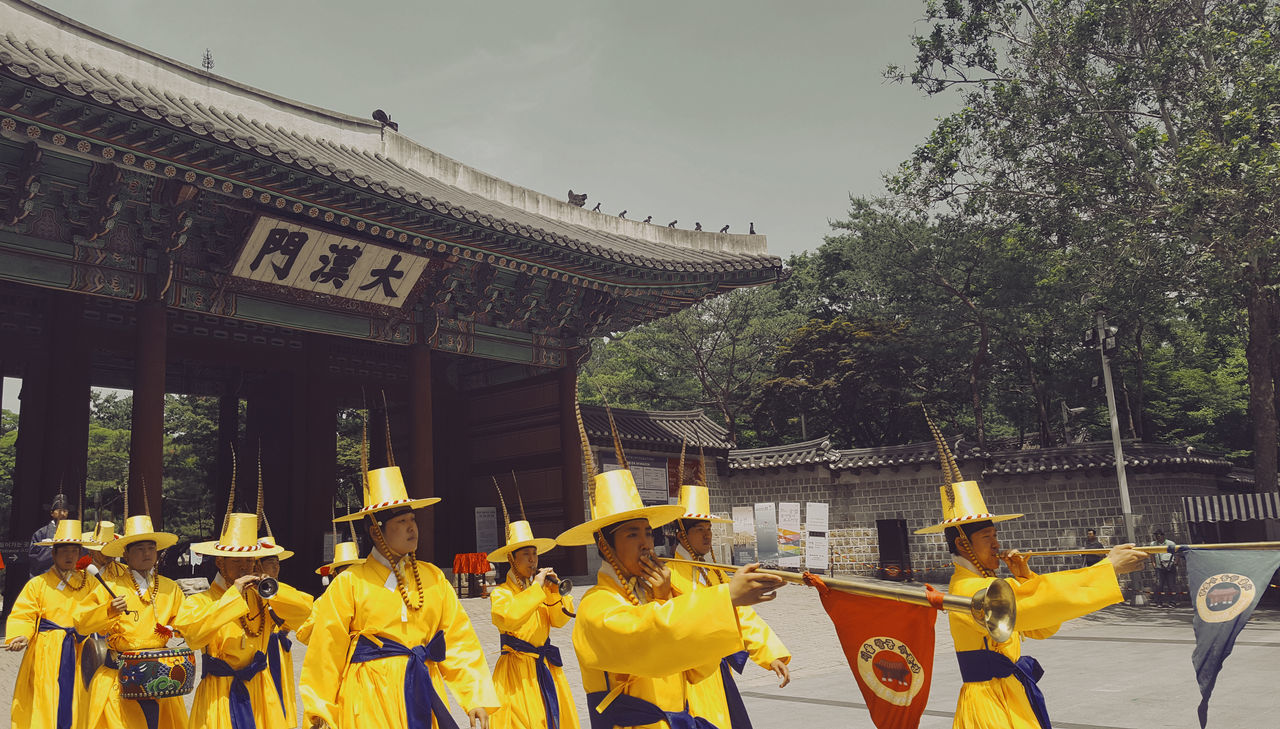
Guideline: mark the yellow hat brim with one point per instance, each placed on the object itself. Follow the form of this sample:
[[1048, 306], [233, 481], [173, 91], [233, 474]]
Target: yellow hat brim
[[335, 565], [411, 503], [213, 549], [584, 534], [544, 545], [62, 542], [116, 548], [939, 528]]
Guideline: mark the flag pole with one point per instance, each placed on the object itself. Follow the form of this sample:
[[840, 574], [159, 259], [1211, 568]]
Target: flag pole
[[994, 607], [1157, 549]]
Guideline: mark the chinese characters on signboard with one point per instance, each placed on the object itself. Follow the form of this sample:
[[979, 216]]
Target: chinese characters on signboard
[[314, 260]]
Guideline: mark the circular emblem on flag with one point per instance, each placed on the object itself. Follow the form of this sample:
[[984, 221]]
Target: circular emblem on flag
[[1223, 597], [890, 669]]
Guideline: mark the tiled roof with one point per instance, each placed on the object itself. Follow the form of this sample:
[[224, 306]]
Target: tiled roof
[[656, 430], [1099, 454], [975, 462], [810, 452], [294, 139], [901, 455]]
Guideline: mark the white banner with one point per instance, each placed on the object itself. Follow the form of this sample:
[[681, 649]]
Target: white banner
[[816, 552], [816, 517], [487, 534], [744, 535], [766, 533], [790, 548]]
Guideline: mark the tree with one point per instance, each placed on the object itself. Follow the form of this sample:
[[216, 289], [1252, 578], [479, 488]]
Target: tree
[[1139, 137], [714, 354]]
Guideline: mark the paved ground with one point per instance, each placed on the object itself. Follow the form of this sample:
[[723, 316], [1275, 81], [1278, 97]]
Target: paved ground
[[1124, 667]]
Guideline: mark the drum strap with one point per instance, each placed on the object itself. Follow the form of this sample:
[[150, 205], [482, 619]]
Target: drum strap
[[241, 705], [66, 670]]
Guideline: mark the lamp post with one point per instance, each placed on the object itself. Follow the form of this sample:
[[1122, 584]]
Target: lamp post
[[1105, 337]]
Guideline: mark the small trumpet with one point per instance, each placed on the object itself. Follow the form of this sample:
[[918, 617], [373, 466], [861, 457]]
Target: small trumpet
[[1157, 548], [566, 585], [266, 587], [994, 607]]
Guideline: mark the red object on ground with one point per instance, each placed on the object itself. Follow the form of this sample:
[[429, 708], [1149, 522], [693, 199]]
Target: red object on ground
[[889, 645], [471, 563]]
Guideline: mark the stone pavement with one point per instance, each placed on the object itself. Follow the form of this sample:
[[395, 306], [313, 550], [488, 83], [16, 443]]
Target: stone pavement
[[1124, 667]]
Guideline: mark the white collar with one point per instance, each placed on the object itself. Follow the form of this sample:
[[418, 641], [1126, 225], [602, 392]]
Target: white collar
[[381, 559], [220, 581], [962, 562], [143, 582], [638, 586]]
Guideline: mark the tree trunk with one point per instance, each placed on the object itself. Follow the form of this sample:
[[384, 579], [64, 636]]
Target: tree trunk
[[1137, 415], [1262, 391]]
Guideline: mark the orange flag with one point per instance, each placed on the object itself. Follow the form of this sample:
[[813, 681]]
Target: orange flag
[[889, 645]]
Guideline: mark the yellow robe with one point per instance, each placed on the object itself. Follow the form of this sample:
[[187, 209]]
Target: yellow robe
[[1044, 603], [293, 607], [210, 621], [105, 708], [363, 601], [36, 694], [529, 615], [653, 650], [707, 697]]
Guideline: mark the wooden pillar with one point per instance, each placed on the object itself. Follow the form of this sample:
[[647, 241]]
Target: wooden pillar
[[66, 442], [320, 409], [571, 466], [420, 472], [146, 441], [29, 511]]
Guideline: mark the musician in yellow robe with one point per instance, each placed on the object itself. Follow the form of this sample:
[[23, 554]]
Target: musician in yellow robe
[[140, 617], [230, 623], [639, 644], [716, 698], [389, 634], [42, 622], [104, 532], [289, 609], [999, 687], [534, 691]]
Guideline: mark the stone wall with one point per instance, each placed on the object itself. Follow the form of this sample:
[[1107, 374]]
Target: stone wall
[[1059, 507]]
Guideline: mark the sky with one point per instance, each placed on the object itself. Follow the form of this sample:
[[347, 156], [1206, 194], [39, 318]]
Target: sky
[[716, 111]]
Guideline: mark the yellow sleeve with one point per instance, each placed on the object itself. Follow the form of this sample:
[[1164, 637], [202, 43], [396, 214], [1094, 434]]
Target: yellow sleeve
[[655, 639], [92, 617], [760, 640], [200, 617], [464, 668], [1046, 601], [25, 616], [292, 605], [510, 610], [328, 639], [557, 607]]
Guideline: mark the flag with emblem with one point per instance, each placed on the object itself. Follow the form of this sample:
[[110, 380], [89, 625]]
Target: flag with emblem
[[1226, 585], [889, 645]]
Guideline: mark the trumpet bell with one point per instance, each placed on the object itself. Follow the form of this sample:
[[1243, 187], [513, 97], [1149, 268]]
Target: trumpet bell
[[996, 608], [267, 587], [566, 586]]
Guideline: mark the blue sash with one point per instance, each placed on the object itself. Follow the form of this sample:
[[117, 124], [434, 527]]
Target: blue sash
[[984, 665], [278, 644], [421, 701], [66, 670], [546, 683], [241, 705], [738, 718], [631, 711]]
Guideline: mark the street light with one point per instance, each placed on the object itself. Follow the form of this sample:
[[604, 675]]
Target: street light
[[1104, 337]]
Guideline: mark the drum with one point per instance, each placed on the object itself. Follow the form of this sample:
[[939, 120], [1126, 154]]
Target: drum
[[157, 674]]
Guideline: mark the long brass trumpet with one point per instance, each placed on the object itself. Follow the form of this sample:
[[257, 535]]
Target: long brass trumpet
[[1157, 549], [995, 607]]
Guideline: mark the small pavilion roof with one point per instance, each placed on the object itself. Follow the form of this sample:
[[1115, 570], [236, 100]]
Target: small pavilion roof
[[656, 429]]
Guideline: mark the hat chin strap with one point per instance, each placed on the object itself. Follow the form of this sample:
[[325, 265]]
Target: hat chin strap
[[967, 548]]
